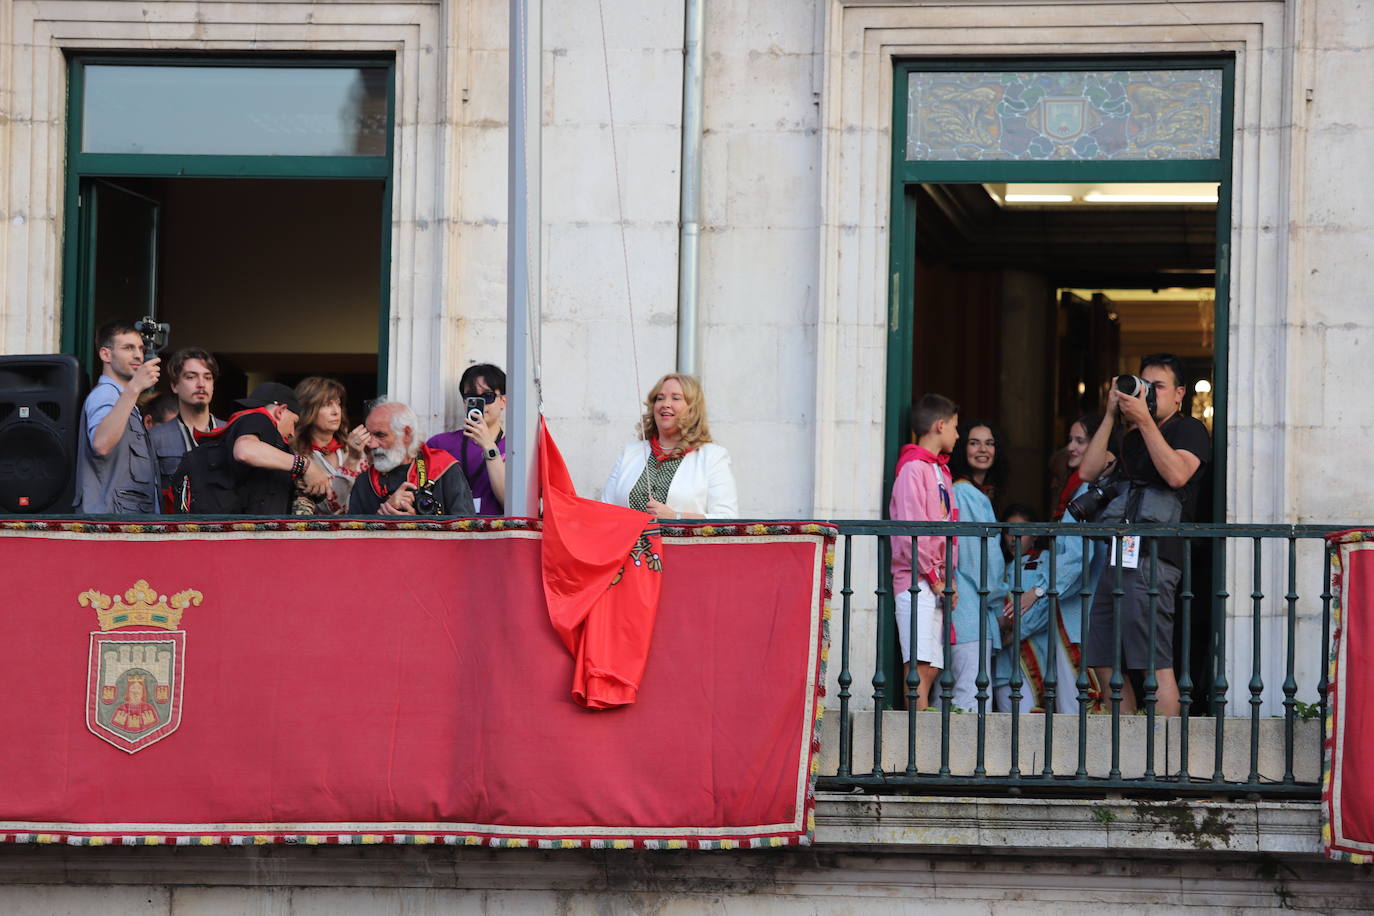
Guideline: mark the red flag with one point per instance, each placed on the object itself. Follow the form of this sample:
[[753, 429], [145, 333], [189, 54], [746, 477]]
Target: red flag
[[601, 567]]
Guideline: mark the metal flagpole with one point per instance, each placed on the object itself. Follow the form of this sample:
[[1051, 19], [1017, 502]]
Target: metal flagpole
[[522, 259]]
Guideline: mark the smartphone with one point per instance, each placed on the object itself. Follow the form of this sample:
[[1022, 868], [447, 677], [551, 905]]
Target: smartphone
[[477, 409]]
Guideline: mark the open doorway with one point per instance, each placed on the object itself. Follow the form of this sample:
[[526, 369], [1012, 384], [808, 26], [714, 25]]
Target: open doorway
[[1040, 294], [279, 278], [1029, 299]]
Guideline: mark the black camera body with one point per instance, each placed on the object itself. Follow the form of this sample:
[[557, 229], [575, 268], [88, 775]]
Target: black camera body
[[1088, 505], [426, 503], [155, 334], [1133, 385]]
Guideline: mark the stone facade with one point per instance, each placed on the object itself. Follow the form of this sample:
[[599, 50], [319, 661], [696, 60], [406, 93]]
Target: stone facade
[[797, 172]]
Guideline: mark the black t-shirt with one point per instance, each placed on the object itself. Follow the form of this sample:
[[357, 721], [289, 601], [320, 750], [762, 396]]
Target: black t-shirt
[[256, 491], [1183, 433]]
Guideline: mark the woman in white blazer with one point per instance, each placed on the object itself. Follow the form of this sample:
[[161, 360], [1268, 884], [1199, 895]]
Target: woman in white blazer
[[674, 470]]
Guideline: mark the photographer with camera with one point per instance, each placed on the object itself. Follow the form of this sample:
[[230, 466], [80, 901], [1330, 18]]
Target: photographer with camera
[[407, 477], [480, 446], [116, 470], [1163, 456]]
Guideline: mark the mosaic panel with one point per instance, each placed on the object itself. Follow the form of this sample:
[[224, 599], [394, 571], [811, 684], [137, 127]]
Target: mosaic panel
[[1070, 115]]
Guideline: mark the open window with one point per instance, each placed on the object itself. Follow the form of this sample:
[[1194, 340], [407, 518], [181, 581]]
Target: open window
[[245, 201]]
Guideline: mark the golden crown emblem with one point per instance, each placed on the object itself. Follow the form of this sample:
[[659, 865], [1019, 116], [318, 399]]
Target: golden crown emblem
[[141, 606]]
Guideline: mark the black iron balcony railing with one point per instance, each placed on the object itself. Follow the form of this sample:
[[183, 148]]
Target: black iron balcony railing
[[942, 749]]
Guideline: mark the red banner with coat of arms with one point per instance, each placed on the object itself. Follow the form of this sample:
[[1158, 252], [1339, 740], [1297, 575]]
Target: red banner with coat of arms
[[1348, 783], [346, 682]]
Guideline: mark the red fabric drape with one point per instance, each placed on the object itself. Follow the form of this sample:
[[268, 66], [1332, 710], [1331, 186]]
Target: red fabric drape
[[1348, 792], [601, 568]]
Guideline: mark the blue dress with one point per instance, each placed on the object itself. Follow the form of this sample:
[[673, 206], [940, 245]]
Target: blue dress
[[1072, 567], [974, 506]]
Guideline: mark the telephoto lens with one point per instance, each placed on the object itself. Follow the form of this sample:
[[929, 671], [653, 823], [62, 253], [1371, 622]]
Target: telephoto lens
[[1133, 385], [1088, 505]]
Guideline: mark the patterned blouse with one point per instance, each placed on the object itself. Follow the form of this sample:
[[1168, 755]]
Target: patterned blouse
[[653, 483]]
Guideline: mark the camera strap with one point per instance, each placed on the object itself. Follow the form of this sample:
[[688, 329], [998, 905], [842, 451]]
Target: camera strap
[[429, 465]]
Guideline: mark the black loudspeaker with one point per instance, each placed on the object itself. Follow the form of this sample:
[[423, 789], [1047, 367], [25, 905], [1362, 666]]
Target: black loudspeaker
[[40, 417]]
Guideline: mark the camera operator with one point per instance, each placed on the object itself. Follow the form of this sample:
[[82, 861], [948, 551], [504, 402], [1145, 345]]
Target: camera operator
[[1164, 451], [407, 477], [115, 467]]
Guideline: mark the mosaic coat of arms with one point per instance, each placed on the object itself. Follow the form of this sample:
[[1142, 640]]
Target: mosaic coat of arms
[[137, 664]]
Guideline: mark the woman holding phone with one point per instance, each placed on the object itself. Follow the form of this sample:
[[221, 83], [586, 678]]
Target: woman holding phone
[[480, 446], [674, 470]]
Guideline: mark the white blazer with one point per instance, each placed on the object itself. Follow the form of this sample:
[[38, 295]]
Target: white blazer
[[703, 482]]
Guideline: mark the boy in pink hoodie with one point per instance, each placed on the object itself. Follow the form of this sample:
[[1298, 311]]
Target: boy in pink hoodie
[[923, 492]]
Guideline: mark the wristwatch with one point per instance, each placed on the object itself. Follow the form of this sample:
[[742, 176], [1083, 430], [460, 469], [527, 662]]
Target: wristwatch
[[492, 454], [1039, 591]]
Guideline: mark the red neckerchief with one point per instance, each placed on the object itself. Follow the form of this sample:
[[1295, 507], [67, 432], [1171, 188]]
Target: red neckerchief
[[1066, 494], [437, 461], [660, 455], [913, 452], [333, 445], [202, 435]]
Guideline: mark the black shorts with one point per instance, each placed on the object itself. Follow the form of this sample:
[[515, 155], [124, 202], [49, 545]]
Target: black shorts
[[1100, 650]]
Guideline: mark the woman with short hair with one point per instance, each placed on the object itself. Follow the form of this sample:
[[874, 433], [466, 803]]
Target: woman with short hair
[[674, 470]]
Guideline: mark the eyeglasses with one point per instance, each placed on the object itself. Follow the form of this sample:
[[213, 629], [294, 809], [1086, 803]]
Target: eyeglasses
[[487, 396]]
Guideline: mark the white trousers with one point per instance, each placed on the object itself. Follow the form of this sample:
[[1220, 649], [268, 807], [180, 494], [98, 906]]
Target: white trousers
[[930, 620], [964, 667]]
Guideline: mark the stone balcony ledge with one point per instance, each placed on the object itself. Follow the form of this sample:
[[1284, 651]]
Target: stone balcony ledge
[[1168, 734], [1068, 826]]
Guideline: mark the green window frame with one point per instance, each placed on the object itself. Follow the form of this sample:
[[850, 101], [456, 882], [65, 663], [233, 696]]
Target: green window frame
[[76, 319], [907, 175]]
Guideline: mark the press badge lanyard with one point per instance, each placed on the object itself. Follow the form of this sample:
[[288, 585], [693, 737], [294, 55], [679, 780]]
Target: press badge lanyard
[[188, 438]]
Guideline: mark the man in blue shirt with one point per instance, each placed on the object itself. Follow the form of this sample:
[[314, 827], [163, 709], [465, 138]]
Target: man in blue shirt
[[116, 469]]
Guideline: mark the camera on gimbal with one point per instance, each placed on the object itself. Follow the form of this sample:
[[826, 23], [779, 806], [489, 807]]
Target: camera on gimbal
[[155, 334]]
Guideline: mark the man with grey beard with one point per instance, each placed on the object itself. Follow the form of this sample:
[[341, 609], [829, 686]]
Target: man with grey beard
[[407, 477]]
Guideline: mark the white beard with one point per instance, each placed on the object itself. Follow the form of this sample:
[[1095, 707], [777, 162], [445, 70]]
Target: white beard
[[386, 460]]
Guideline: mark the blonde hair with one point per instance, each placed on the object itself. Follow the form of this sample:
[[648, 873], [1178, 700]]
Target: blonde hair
[[691, 424]]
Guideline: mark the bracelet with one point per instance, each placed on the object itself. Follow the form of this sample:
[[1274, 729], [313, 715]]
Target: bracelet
[[298, 467]]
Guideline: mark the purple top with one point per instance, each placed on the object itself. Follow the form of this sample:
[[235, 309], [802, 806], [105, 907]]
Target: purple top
[[474, 464]]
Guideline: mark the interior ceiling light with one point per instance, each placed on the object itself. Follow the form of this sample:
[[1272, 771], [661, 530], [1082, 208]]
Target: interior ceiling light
[[1098, 197], [1039, 198]]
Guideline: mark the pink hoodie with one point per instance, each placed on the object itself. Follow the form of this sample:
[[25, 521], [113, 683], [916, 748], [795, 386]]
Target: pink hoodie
[[923, 492]]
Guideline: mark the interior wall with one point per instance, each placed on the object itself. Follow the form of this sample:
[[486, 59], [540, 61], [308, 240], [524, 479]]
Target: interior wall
[[1027, 399], [958, 337], [272, 266]]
